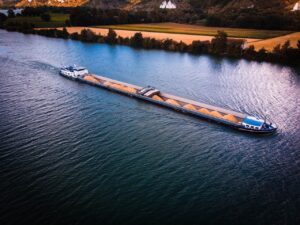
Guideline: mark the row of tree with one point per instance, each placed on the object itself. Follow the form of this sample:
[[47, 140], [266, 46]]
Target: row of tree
[[252, 18], [220, 45], [84, 16], [245, 18]]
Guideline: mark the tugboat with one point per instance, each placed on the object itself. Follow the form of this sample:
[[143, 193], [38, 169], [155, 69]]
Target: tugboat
[[73, 72], [255, 125]]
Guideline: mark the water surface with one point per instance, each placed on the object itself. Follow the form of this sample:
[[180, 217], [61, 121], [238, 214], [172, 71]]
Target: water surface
[[71, 153]]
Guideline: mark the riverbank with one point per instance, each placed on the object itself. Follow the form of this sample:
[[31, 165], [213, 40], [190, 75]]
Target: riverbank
[[185, 38], [220, 45]]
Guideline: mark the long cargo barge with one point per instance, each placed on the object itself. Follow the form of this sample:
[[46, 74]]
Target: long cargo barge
[[236, 120]]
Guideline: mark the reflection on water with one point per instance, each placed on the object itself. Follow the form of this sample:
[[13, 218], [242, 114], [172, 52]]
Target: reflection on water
[[73, 154]]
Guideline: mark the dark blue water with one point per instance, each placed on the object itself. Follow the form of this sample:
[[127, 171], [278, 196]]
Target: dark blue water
[[71, 153]]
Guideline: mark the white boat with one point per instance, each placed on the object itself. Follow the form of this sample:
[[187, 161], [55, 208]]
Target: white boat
[[73, 71]]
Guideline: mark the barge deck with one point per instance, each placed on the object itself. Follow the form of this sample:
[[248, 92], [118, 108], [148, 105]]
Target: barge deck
[[237, 120]]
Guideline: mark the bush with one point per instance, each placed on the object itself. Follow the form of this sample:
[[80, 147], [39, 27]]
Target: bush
[[111, 37], [137, 40], [3, 17], [88, 35], [11, 13]]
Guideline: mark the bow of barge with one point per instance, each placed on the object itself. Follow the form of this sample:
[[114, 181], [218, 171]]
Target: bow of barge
[[239, 121]]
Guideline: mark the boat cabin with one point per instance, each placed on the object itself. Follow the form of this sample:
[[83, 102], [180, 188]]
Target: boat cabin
[[253, 123], [73, 71], [149, 91]]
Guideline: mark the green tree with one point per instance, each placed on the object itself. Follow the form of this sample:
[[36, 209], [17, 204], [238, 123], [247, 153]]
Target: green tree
[[11, 13], [168, 44], [137, 40], [235, 47], [111, 37], [261, 54], [75, 36], [286, 46], [199, 47], [219, 43], [249, 53], [88, 35], [277, 49], [65, 34], [3, 17]]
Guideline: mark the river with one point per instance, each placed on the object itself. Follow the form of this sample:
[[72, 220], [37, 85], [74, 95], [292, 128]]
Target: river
[[71, 153]]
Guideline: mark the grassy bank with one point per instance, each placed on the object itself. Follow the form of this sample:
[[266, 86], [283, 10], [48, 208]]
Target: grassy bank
[[199, 30], [57, 20]]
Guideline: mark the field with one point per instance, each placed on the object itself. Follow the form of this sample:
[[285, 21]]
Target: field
[[199, 30], [267, 39], [186, 38], [57, 20], [269, 44]]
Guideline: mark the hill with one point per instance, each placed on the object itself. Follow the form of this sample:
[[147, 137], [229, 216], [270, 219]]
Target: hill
[[209, 6]]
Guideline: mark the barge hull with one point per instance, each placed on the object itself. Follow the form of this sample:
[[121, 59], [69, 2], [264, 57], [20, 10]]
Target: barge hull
[[163, 104], [215, 114]]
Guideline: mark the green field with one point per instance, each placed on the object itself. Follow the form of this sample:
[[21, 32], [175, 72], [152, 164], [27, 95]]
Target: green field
[[57, 20], [199, 30]]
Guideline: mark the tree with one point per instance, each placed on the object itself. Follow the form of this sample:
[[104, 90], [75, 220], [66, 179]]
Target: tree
[[111, 37], [277, 49], [181, 47], [199, 47], [46, 17], [137, 40], [65, 34], [74, 36], [261, 54], [88, 35], [3, 17], [235, 47], [286, 46], [219, 43], [249, 53], [11, 13]]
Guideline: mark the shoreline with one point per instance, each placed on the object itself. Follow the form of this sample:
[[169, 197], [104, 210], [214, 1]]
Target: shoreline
[[185, 38], [234, 48], [268, 44]]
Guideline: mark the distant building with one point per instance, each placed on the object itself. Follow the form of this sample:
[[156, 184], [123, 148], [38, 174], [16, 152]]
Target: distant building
[[167, 5], [296, 7]]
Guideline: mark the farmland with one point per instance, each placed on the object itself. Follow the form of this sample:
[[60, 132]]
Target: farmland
[[198, 30], [269, 44]]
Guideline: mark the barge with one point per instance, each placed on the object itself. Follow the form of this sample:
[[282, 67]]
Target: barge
[[236, 120]]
